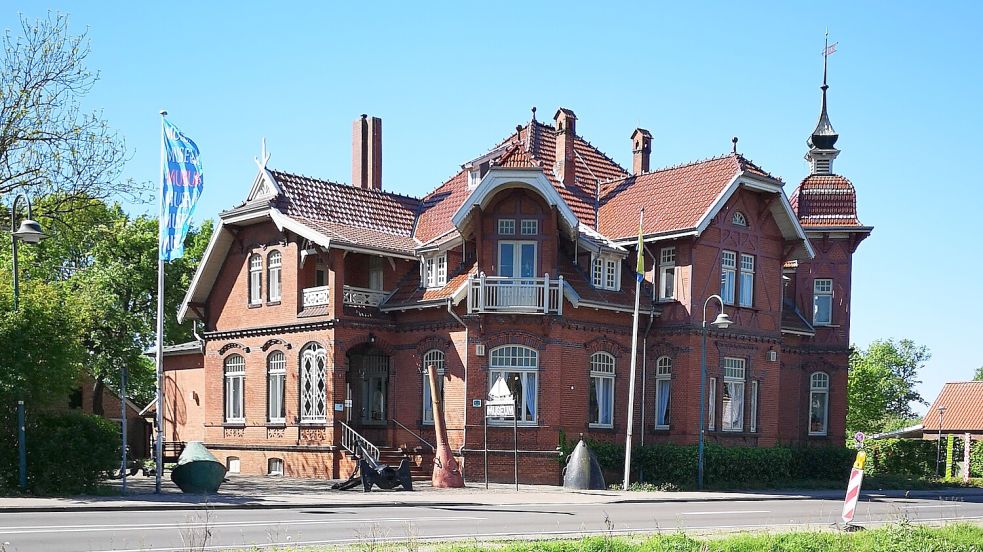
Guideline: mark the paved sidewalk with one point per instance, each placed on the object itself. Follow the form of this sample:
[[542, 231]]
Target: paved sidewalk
[[257, 492]]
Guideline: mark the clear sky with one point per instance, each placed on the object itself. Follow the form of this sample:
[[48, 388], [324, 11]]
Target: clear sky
[[451, 80]]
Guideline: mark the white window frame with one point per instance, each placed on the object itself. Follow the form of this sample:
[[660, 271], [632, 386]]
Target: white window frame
[[735, 374], [822, 290], [728, 269], [746, 292], [313, 376], [597, 272], [819, 385], [376, 280], [255, 279], [274, 262], [602, 372], [667, 273], [506, 227], [739, 219], [606, 272], [517, 257], [233, 464], [437, 359], [276, 379], [234, 374], [529, 227], [435, 271], [712, 404], [516, 360], [663, 378], [754, 407], [274, 466]]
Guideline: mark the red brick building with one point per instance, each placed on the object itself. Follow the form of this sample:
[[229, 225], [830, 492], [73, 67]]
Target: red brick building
[[321, 303]]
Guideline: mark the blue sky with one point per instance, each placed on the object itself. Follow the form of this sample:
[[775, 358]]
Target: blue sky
[[450, 80]]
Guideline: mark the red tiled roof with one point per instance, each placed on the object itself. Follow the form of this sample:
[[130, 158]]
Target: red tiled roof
[[825, 200], [438, 207], [581, 283], [356, 235], [792, 320], [346, 206], [675, 197], [409, 292], [963, 402]]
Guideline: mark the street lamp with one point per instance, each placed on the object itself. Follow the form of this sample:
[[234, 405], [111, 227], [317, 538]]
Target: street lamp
[[29, 232], [938, 445], [722, 321]]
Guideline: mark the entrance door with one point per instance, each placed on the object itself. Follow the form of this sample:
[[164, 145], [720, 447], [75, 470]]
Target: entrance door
[[372, 373]]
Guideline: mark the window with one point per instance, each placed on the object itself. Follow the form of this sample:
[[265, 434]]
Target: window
[[274, 466], [276, 375], [732, 415], [232, 464], [506, 227], [601, 390], [435, 358], [517, 259], [273, 262], [519, 366], [530, 227], [739, 219], [663, 385], [818, 403], [435, 271], [667, 273], [255, 279], [375, 273], [728, 265], [822, 301], [313, 386], [606, 273], [320, 274], [747, 280], [712, 405], [754, 406], [235, 375]]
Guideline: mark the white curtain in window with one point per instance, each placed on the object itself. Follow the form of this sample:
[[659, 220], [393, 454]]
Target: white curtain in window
[[734, 409], [663, 412]]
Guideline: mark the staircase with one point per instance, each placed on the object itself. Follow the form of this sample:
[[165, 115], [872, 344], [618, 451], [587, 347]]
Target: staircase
[[392, 456]]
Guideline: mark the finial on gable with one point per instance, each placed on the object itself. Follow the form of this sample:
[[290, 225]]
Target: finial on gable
[[734, 142], [263, 154]]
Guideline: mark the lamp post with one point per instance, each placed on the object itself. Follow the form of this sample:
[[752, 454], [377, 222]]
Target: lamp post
[[29, 232], [938, 445], [722, 321]]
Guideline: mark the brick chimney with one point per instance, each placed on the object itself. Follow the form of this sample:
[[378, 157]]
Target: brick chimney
[[566, 130], [641, 150], [367, 152]]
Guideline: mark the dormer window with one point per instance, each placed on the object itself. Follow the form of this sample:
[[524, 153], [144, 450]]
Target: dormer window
[[530, 227], [606, 272], [474, 177], [435, 272], [506, 227], [739, 219]]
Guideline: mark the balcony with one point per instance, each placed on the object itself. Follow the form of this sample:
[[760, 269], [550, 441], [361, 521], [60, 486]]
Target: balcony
[[353, 296], [498, 294]]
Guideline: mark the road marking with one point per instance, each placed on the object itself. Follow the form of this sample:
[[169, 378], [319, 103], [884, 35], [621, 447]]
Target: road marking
[[211, 525], [726, 512]]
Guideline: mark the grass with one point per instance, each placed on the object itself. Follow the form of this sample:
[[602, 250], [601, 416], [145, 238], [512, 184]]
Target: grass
[[871, 482]]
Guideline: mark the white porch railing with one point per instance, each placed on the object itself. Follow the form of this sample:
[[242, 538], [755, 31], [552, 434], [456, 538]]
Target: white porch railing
[[363, 297], [352, 441], [515, 295], [316, 296]]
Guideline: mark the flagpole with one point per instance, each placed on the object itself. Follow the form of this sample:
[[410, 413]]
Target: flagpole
[[634, 354], [159, 444]]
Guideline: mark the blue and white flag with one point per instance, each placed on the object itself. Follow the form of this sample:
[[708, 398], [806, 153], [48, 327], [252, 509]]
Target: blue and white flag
[[181, 185]]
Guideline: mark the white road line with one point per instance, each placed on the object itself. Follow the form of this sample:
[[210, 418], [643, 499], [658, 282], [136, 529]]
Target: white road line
[[212, 525], [725, 513]]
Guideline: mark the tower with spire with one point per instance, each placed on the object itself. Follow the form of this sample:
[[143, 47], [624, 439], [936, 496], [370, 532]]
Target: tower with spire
[[822, 141]]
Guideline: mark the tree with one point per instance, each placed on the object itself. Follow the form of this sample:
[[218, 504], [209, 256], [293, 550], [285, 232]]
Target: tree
[[48, 145], [882, 384], [867, 394], [979, 374]]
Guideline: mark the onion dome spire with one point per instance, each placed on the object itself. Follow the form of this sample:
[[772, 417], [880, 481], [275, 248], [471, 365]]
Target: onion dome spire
[[824, 137]]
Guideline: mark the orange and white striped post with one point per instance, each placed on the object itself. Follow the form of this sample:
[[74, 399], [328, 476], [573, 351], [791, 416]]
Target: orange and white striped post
[[853, 488]]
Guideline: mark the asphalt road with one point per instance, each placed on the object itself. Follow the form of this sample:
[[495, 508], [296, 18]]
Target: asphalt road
[[186, 529]]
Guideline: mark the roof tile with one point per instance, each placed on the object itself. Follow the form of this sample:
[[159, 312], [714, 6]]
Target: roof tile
[[963, 403], [825, 200]]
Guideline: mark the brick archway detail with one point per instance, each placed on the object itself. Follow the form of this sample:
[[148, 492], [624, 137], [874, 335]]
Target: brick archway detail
[[276, 341], [603, 344], [229, 346], [514, 338]]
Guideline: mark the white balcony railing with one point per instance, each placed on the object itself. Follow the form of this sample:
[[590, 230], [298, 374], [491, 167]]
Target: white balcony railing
[[363, 297], [515, 295], [316, 296]]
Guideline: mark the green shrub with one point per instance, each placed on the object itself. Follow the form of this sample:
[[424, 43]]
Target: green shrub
[[976, 459], [68, 453], [824, 463], [912, 457]]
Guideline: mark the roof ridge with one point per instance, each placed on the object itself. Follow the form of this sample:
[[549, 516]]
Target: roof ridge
[[602, 154], [347, 186]]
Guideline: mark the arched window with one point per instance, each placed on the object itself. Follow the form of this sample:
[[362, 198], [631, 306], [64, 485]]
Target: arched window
[[519, 366], [663, 389], [255, 279], [435, 358], [276, 375], [818, 403], [313, 384], [739, 219], [234, 368], [273, 262], [601, 390]]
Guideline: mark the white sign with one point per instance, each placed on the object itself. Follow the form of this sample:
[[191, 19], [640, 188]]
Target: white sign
[[501, 402], [348, 403], [500, 410]]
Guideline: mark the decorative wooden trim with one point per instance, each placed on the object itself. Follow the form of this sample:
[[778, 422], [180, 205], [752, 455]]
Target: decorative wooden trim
[[229, 346], [275, 341]]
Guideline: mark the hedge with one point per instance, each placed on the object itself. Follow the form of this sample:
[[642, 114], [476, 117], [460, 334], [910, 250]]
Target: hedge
[[912, 457], [976, 459], [67, 453]]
